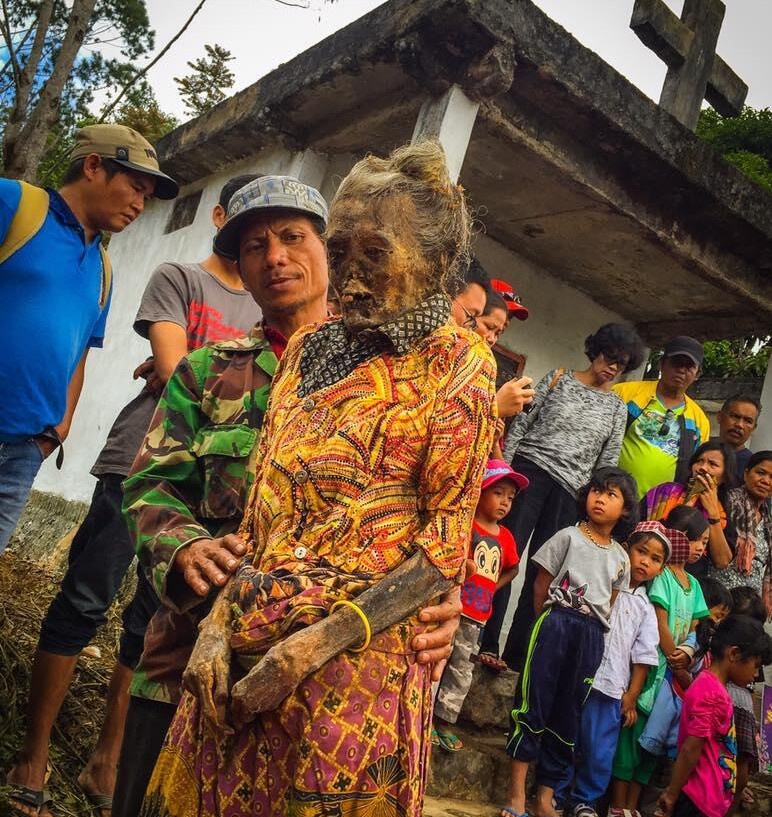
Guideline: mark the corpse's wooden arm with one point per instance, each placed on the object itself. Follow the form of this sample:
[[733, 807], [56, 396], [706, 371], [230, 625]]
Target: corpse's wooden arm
[[400, 593]]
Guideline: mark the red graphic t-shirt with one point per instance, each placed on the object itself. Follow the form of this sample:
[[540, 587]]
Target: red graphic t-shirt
[[491, 554]]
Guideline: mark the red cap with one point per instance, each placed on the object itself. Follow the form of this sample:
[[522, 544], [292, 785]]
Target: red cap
[[514, 304], [498, 469]]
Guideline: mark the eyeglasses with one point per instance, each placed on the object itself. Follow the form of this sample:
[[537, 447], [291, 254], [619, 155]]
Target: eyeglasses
[[617, 362], [471, 320], [667, 421]]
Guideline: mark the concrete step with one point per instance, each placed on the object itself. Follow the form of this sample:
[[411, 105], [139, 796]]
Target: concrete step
[[435, 807], [479, 772]]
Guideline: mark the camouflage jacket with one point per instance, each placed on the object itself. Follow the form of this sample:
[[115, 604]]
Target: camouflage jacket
[[190, 476], [190, 481]]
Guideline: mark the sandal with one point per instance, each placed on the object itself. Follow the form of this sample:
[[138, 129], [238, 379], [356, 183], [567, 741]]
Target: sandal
[[37, 798], [434, 738], [449, 742], [492, 662], [100, 802], [511, 812]]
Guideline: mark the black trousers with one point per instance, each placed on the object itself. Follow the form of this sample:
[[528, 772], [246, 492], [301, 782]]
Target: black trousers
[[147, 723], [544, 508], [100, 555], [565, 650]]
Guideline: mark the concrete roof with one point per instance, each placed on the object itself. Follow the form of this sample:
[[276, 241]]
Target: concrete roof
[[572, 166]]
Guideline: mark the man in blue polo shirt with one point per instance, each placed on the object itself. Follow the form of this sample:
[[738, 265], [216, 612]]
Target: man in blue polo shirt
[[55, 292]]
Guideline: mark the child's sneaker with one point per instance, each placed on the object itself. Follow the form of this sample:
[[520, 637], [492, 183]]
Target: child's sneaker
[[583, 810]]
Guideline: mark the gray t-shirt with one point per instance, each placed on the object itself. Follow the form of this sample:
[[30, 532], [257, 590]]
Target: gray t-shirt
[[571, 431], [585, 573], [208, 310]]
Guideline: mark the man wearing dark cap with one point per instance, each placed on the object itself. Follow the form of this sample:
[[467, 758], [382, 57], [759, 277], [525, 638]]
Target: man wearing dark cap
[[664, 425], [55, 284]]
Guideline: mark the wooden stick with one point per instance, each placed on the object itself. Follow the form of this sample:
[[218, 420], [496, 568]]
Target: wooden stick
[[286, 664]]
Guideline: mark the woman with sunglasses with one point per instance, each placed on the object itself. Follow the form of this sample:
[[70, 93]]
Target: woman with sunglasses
[[711, 471], [575, 426]]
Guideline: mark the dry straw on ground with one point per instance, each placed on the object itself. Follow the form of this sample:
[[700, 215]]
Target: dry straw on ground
[[26, 591]]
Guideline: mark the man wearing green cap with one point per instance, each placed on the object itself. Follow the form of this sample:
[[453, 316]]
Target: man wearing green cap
[[55, 284]]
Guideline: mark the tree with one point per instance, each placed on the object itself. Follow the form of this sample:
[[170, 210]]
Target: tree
[[54, 66], [745, 357], [744, 140], [211, 78]]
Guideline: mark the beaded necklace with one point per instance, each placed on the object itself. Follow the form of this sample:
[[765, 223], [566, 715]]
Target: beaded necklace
[[585, 528]]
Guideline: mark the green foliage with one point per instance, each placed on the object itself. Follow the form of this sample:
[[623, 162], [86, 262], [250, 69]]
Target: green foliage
[[745, 140], [211, 78], [746, 357], [148, 119]]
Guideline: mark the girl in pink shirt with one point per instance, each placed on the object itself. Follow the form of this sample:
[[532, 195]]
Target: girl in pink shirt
[[704, 773]]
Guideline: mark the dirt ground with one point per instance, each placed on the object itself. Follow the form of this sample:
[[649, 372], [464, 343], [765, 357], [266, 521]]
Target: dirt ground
[[25, 593]]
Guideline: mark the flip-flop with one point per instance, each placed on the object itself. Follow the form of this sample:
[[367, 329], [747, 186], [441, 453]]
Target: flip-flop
[[99, 801], [491, 661], [434, 738], [449, 742], [512, 812], [37, 798]]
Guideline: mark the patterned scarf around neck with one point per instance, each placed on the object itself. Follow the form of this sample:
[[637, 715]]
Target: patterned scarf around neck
[[742, 512]]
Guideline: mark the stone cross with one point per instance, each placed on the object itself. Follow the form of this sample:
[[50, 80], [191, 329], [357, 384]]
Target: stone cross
[[688, 46]]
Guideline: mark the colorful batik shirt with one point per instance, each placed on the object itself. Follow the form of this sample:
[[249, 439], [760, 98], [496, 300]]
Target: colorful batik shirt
[[354, 477]]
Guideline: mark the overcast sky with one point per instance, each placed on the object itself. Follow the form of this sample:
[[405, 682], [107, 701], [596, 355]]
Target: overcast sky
[[261, 34]]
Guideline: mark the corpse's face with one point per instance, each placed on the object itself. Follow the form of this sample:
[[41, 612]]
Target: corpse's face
[[376, 264]]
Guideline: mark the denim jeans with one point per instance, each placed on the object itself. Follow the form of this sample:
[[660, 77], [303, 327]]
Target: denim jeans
[[19, 464]]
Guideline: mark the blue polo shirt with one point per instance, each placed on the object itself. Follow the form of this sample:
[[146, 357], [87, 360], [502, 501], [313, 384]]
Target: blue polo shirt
[[49, 292]]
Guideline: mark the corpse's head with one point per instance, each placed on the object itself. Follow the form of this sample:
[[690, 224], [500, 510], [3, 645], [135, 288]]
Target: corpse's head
[[397, 234]]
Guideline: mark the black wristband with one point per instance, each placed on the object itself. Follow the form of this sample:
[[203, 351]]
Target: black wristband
[[714, 520]]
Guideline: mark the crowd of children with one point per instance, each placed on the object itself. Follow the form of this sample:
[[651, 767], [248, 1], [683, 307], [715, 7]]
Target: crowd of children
[[633, 665]]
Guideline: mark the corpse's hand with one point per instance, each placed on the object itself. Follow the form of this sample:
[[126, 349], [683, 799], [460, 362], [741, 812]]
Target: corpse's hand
[[436, 646], [207, 563], [207, 674]]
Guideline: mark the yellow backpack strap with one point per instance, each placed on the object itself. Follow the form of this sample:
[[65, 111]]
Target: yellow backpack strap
[[29, 218], [107, 277]]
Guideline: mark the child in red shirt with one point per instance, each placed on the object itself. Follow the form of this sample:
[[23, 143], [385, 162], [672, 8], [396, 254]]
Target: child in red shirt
[[494, 553]]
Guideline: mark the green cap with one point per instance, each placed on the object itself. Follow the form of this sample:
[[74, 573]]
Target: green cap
[[126, 147]]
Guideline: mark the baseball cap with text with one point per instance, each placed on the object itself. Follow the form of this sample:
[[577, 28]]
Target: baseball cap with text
[[125, 147], [268, 193]]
